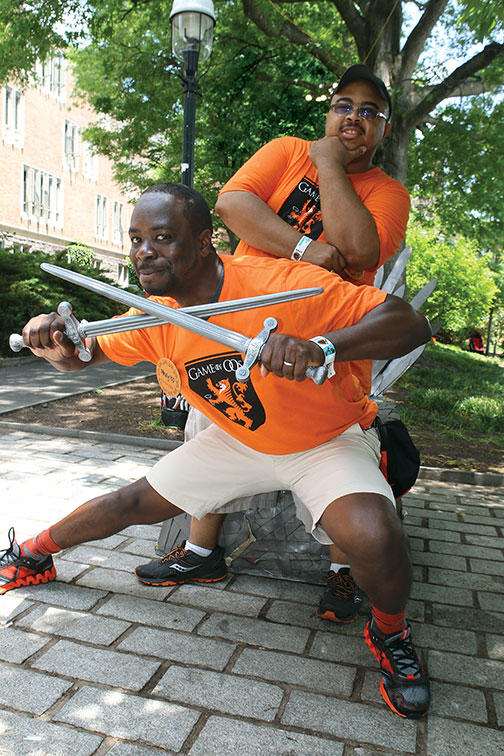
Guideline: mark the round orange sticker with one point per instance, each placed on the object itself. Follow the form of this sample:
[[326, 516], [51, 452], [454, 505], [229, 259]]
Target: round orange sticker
[[168, 377]]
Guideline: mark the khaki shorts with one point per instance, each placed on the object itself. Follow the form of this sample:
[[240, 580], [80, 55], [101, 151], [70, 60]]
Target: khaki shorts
[[213, 468]]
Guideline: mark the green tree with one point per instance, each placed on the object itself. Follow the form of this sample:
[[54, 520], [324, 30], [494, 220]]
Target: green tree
[[466, 286]]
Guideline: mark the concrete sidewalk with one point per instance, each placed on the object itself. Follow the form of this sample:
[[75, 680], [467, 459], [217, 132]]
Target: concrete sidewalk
[[96, 663]]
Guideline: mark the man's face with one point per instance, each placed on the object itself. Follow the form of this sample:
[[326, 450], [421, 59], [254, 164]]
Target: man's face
[[164, 250], [354, 131]]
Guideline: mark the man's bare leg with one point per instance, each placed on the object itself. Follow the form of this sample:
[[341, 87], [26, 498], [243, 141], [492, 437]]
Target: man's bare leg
[[205, 532], [30, 562]]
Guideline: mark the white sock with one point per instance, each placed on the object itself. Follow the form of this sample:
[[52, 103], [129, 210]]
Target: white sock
[[335, 567], [199, 550]]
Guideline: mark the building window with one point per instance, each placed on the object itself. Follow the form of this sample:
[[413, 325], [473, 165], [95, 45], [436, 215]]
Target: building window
[[101, 217], [51, 76], [42, 196], [12, 120], [89, 162], [71, 145], [117, 223]]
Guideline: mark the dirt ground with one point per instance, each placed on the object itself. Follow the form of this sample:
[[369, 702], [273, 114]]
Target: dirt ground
[[133, 409]]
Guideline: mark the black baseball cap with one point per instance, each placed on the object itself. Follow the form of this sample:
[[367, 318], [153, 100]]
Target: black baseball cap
[[361, 72]]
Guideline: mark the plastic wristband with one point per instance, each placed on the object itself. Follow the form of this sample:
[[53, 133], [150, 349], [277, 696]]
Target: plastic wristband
[[329, 351], [300, 248]]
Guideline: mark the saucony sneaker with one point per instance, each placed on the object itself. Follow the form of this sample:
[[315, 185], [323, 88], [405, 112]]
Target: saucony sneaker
[[341, 599], [17, 570], [183, 566]]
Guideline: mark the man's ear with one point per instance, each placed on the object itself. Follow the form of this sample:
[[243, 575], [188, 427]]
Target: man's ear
[[205, 241]]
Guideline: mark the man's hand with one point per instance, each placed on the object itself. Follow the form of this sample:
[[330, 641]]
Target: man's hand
[[325, 256], [288, 357], [330, 149], [44, 336]]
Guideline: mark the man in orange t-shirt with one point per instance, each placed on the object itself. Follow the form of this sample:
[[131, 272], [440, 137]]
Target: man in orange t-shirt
[[264, 437]]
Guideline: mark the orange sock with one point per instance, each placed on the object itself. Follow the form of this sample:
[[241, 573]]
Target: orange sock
[[389, 623], [40, 546]]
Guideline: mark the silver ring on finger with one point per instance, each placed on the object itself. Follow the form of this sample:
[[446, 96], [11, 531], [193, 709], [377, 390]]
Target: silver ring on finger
[[290, 364]]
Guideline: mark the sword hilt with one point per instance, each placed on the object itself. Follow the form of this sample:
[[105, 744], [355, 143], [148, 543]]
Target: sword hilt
[[253, 353], [72, 330]]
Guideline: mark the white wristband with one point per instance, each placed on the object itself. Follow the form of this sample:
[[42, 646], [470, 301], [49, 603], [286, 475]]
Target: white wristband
[[329, 351], [300, 248]]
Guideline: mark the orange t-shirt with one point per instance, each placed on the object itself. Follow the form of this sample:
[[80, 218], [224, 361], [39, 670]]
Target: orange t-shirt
[[282, 175], [272, 415]]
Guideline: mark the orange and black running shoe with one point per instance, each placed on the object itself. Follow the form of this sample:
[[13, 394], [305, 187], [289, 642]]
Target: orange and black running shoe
[[18, 569], [404, 686], [181, 565], [341, 599]]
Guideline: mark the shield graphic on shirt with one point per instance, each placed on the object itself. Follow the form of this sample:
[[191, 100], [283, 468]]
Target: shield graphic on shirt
[[301, 209], [213, 378]]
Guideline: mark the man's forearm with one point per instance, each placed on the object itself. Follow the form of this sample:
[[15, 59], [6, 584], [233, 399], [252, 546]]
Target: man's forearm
[[348, 224]]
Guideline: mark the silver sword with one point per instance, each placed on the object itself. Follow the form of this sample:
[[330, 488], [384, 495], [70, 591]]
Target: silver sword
[[250, 347]]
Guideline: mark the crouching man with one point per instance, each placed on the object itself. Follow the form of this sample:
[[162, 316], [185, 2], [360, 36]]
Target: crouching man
[[275, 431]]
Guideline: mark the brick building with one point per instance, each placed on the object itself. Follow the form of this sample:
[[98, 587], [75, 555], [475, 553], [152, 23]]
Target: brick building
[[54, 190]]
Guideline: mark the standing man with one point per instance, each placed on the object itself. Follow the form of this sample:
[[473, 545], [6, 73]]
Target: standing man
[[325, 203], [315, 440]]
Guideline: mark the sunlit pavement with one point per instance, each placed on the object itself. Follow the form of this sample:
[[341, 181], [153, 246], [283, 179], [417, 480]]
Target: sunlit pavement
[[96, 663]]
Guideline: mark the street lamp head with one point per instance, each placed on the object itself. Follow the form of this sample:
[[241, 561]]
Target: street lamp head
[[192, 24]]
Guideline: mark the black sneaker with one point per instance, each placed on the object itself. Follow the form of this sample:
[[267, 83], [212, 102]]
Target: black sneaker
[[404, 686], [341, 599], [17, 570], [183, 566]]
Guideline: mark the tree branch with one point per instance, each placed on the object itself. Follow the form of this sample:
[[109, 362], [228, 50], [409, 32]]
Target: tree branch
[[353, 21], [290, 31], [456, 84], [415, 43]]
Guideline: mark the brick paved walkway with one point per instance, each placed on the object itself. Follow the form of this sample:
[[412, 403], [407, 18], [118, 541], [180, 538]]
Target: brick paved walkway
[[97, 664]]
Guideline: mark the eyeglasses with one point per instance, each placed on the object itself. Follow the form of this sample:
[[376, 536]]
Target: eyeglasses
[[367, 112]]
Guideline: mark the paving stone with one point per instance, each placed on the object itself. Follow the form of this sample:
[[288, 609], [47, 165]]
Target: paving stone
[[128, 749], [24, 736], [472, 581], [177, 646], [458, 701], [487, 567], [61, 594], [150, 532], [434, 533], [464, 549], [67, 571], [142, 547], [499, 707], [97, 665], [117, 560], [221, 692], [227, 737], [446, 561], [345, 719], [495, 646], [278, 589], [485, 673], [481, 540], [255, 632], [133, 718], [11, 605], [433, 636], [430, 592], [222, 601], [471, 528], [491, 602], [470, 738], [471, 619], [27, 690], [290, 613], [118, 581], [16, 646], [349, 650], [152, 612], [78, 625], [296, 670]]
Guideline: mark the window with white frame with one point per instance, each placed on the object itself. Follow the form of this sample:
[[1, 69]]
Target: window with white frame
[[51, 76], [117, 223], [12, 116], [42, 196], [101, 217], [71, 145], [89, 162]]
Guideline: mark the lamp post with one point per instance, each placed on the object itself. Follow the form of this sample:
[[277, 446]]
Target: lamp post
[[192, 23]]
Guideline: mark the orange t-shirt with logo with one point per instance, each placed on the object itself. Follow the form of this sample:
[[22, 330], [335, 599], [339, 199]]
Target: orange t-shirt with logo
[[272, 415]]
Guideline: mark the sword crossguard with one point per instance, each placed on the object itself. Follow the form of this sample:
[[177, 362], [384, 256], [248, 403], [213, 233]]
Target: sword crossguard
[[72, 330]]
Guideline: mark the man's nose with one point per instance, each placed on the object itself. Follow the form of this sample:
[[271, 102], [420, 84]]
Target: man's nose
[[146, 249]]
